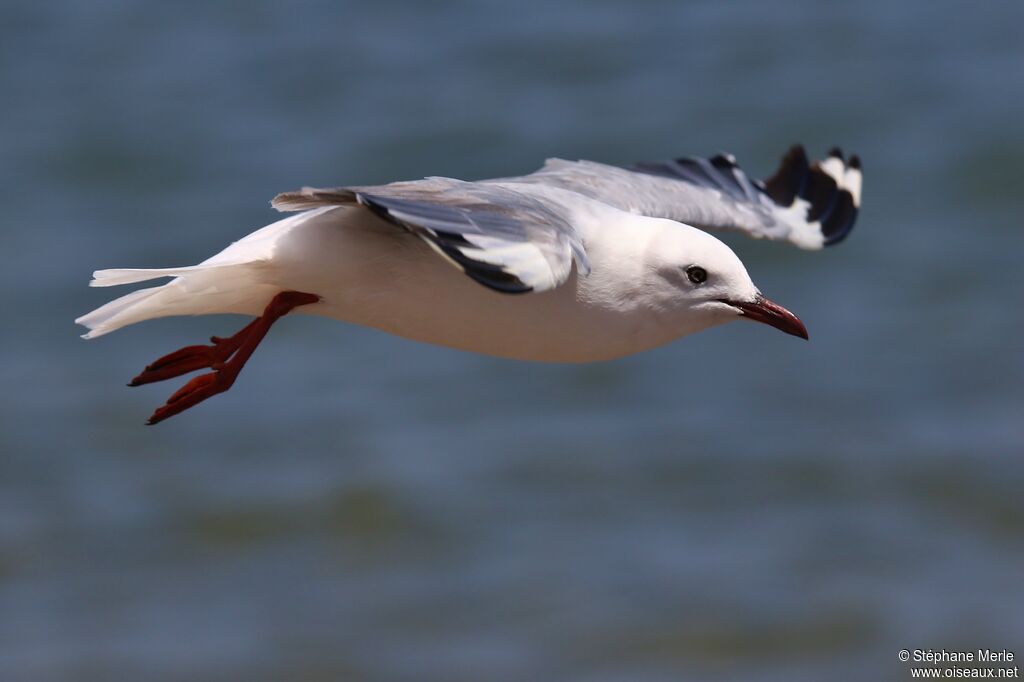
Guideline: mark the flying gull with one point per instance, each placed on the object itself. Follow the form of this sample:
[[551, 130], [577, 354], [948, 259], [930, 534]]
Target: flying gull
[[615, 260]]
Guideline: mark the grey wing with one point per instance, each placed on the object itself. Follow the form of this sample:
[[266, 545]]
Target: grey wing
[[507, 240], [809, 205]]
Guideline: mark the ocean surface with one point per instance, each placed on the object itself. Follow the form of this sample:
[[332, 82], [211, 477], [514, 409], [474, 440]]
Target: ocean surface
[[737, 505]]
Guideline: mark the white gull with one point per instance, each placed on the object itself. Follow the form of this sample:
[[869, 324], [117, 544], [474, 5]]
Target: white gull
[[612, 258]]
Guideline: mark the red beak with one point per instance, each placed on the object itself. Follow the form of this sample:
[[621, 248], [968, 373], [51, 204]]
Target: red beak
[[763, 310]]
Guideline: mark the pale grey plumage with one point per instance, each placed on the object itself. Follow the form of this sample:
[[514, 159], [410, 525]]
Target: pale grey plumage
[[696, 201], [514, 240], [509, 236], [808, 205]]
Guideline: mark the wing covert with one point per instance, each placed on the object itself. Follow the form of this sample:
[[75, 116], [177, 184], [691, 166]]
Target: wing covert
[[510, 241]]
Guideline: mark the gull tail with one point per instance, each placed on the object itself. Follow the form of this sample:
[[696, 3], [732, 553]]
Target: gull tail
[[195, 290], [240, 279]]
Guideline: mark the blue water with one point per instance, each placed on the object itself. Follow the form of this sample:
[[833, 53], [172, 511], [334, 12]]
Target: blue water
[[739, 505]]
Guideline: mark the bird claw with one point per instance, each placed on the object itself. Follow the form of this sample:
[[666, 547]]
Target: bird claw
[[225, 356]]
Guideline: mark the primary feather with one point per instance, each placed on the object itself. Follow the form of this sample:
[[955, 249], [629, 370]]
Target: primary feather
[[810, 205]]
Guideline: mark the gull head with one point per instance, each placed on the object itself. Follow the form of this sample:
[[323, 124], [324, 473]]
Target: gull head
[[700, 278]]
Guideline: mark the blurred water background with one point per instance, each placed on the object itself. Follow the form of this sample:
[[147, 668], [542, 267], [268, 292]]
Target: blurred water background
[[739, 505]]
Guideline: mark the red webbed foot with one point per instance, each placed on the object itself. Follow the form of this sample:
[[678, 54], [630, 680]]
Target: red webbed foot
[[191, 358], [226, 356]]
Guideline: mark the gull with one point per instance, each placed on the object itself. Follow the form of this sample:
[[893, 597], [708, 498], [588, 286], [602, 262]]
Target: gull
[[576, 262]]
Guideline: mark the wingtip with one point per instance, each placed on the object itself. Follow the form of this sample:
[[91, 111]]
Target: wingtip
[[288, 201], [785, 184], [308, 198], [830, 187], [796, 151]]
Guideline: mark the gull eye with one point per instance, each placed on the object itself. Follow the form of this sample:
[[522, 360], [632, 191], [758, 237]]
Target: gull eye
[[697, 274]]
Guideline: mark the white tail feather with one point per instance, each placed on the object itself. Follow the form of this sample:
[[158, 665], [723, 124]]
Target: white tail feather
[[98, 321], [239, 279], [224, 289], [115, 277]]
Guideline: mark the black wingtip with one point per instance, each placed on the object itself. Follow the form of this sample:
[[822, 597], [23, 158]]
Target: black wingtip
[[830, 203], [788, 180], [828, 190]]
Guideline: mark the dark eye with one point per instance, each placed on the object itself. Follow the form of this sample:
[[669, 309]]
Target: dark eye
[[697, 274]]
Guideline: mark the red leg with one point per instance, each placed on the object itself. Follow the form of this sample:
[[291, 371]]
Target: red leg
[[226, 357]]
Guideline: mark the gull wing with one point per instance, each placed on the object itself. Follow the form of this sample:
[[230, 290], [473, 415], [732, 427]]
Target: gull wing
[[508, 240], [809, 205]]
